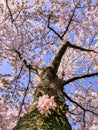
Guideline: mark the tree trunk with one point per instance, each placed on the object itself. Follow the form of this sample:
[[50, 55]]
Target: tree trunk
[[53, 86]]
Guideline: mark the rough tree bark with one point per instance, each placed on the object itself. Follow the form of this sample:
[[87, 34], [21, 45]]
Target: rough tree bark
[[53, 86]]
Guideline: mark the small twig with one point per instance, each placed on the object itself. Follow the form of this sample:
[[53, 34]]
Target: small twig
[[25, 93], [81, 48], [17, 79], [9, 11], [70, 20]]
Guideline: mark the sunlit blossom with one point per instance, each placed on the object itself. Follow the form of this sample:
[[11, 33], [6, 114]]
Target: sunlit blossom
[[96, 68], [46, 104]]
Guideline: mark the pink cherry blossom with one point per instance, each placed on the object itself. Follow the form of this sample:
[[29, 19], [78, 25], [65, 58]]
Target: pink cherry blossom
[[96, 68], [46, 104]]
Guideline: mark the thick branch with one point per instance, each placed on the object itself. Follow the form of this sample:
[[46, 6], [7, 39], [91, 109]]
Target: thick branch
[[29, 66], [66, 44], [79, 77], [58, 57], [62, 50]]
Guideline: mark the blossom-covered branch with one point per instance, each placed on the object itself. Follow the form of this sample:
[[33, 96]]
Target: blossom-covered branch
[[66, 44], [77, 104], [71, 100]]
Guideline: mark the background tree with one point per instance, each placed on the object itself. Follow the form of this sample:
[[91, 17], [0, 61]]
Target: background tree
[[50, 49]]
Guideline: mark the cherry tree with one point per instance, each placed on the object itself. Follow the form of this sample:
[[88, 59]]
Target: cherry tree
[[51, 48]]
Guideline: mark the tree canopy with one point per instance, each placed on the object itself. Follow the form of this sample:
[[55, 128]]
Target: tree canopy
[[60, 36]]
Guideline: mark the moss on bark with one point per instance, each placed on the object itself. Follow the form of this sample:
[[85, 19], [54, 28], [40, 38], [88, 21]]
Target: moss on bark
[[36, 121], [53, 86]]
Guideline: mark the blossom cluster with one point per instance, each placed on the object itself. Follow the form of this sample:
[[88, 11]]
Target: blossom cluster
[[46, 104], [96, 68]]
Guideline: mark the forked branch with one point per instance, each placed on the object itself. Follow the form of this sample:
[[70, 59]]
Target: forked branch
[[52, 28], [82, 108], [77, 104], [69, 23], [66, 44], [29, 66]]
